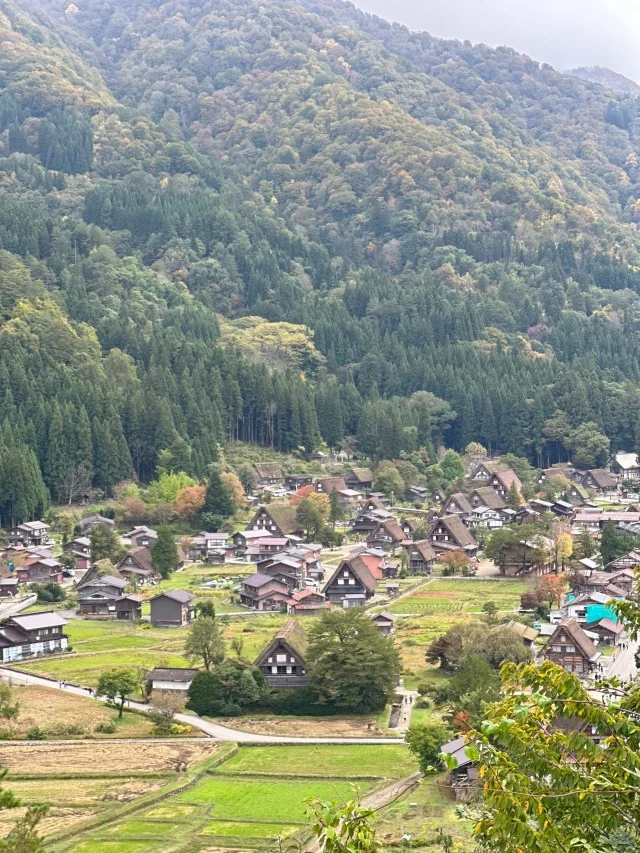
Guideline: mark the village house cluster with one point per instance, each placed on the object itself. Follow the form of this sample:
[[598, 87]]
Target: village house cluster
[[289, 573]]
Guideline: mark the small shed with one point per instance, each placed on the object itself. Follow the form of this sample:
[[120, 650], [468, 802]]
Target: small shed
[[170, 678]]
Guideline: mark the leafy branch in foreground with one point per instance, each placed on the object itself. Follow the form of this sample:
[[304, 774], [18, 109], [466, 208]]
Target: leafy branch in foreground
[[560, 767], [343, 828]]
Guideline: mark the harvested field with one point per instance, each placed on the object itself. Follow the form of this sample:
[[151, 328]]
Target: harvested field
[[54, 821], [82, 793], [61, 715], [307, 726], [103, 757]]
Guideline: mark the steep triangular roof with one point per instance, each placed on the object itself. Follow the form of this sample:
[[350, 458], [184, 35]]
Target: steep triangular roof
[[283, 515], [489, 497], [490, 466], [603, 478], [363, 475], [580, 489], [333, 484], [458, 532], [268, 470], [101, 580], [359, 569], [627, 460], [580, 639], [142, 557], [393, 528], [461, 501], [291, 635], [425, 549], [508, 477]]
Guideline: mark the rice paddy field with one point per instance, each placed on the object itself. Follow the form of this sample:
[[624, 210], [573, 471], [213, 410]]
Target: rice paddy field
[[227, 798]]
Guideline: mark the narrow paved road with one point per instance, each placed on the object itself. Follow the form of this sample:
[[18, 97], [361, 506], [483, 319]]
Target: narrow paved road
[[409, 698], [623, 666], [10, 608], [214, 730]]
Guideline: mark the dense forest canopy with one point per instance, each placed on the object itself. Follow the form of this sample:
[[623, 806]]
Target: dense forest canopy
[[442, 236]]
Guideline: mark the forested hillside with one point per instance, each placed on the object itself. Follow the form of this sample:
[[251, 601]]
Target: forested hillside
[[445, 236], [606, 77]]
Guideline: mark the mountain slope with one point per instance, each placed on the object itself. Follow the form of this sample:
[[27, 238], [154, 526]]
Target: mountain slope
[[296, 95], [607, 78], [435, 218]]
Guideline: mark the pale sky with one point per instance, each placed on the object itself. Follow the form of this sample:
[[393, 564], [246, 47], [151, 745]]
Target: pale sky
[[565, 33]]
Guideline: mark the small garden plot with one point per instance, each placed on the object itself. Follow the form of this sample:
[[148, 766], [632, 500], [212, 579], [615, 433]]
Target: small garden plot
[[382, 761], [193, 577], [254, 631], [100, 645], [86, 669], [420, 814], [170, 811], [90, 635], [145, 827], [461, 596], [265, 800]]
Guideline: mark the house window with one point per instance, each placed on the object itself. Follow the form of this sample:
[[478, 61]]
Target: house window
[[556, 649], [571, 649], [340, 581], [351, 581]]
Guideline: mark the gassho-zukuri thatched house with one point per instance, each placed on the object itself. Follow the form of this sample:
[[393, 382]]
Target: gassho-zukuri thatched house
[[283, 661]]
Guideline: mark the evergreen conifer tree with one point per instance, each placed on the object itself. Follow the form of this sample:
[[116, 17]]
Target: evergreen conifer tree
[[164, 553]]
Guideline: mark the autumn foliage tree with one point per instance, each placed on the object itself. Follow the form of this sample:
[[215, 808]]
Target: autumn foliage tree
[[550, 589], [189, 501], [235, 488], [455, 561]]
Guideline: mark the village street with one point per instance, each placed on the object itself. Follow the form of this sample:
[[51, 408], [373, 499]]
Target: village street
[[623, 666]]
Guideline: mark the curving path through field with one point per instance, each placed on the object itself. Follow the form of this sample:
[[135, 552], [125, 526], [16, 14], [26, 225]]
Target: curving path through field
[[214, 730]]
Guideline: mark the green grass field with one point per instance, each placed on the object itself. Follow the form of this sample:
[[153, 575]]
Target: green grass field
[[274, 800], [101, 846], [100, 645], [244, 830], [323, 760]]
